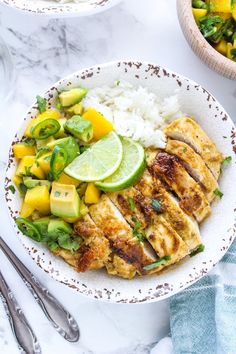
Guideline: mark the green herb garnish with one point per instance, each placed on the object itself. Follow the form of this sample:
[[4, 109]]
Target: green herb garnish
[[156, 205], [226, 161], [41, 104], [12, 189], [159, 262], [199, 4], [28, 141], [200, 249], [57, 194], [136, 230], [131, 202], [218, 193], [208, 25]]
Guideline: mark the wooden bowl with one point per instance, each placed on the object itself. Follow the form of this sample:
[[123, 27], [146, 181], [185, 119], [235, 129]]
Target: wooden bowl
[[199, 45]]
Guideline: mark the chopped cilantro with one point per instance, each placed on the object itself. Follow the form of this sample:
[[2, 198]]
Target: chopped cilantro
[[185, 149], [156, 205], [200, 249], [136, 230], [226, 161], [131, 203], [159, 262], [41, 104], [57, 194], [218, 193], [12, 189]]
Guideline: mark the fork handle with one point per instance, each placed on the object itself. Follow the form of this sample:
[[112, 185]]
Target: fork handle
[[21, 329], [59, 317]]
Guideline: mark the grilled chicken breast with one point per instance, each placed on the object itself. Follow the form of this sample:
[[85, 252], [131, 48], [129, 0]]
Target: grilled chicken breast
[[187, 130], [192, 199], [118, 266], [185, 226], [195, 166], [151, 225], [120, 235]]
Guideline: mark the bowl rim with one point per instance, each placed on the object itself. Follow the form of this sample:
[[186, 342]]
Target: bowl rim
[[63, 10], [200, 272], [190, 29]]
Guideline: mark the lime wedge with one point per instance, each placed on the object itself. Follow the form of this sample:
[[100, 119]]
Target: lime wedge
[[98, 162], [131, 168]]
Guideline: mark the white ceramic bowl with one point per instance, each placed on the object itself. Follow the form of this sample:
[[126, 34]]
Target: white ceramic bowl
[[43, 7], [217, 231]]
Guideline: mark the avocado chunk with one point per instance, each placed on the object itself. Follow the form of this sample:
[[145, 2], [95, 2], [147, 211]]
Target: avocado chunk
[[58, 227], [71, 97], [64, 201], [42, 144], [61, 132], [60, 234], [31, 183], [42, 226], [76, 109], [80, 128], [69, 144]]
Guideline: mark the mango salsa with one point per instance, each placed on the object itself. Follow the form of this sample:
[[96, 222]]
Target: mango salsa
[[220, 6], [44, 162], [39, 199], [101, 126], [198, 13]]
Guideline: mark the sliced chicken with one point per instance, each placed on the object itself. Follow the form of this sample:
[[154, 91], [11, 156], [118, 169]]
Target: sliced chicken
[[71, 258], [162, 237], [192, 199], [118, 266], [185, 226], [95, 250], [120, 235], [195, 166], [187, 130]]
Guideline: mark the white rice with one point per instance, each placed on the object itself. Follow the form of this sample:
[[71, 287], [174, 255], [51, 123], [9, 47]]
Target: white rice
[[135, 112]]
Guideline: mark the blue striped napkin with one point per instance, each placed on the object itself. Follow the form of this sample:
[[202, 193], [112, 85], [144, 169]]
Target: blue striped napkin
[[203, 317]]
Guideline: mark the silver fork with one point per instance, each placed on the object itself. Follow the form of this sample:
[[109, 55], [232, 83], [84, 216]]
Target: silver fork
[[58, 316], [25, 337]]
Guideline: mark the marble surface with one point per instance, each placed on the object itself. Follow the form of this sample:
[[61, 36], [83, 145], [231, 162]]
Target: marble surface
[[44, 50]]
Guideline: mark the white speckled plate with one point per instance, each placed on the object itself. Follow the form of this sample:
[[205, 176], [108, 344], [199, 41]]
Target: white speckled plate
[[43, 7], [217, 231]]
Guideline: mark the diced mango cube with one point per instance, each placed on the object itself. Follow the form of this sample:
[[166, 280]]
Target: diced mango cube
[[20, 150], [221, 47], [39, 198], [24, 165], [101, 126], [65, 179], [44, 162], [17, 180], [26, 210], [37, 171], [220, 6], [198, 13], [92, 194], [49, 114]]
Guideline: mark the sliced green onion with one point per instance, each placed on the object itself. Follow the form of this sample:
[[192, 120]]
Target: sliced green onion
[[45, 129], [159, 262]]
